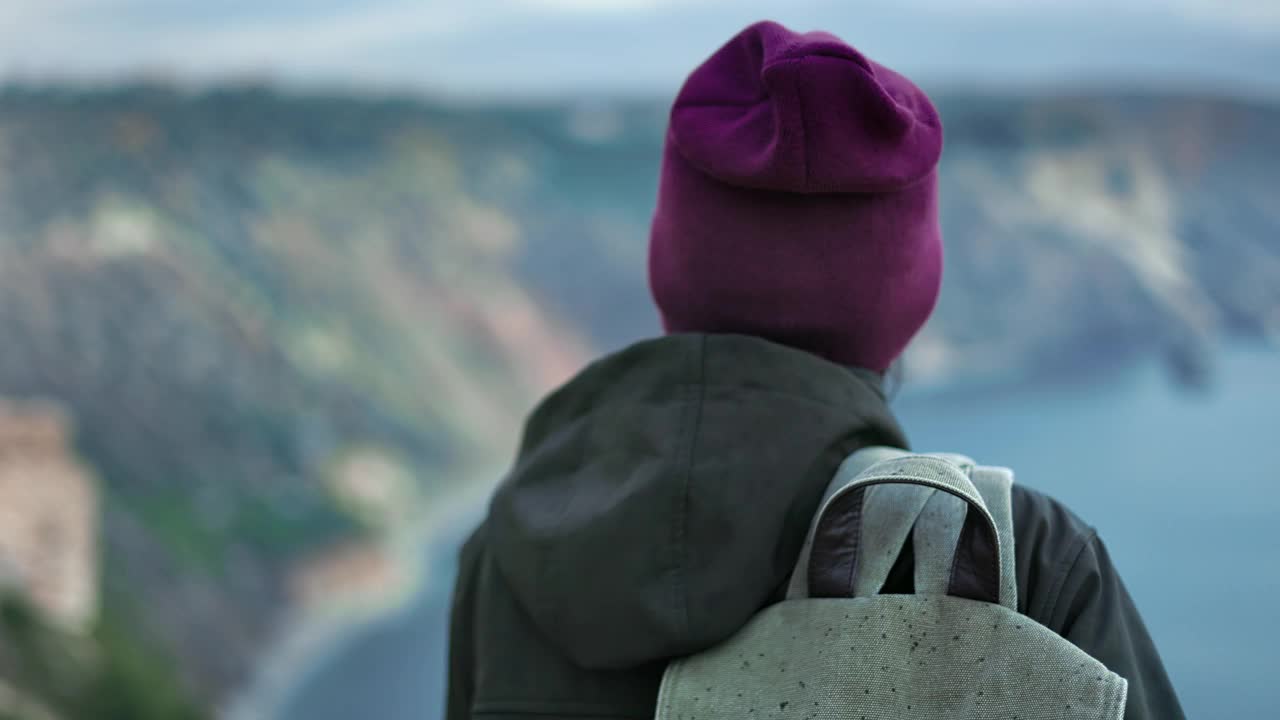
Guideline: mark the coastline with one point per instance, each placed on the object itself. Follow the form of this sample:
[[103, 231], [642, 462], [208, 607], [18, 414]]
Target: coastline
[[1127, 427], [312, 634]]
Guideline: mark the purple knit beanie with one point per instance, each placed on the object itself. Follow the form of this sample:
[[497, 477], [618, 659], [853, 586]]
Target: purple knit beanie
[[798, 200]]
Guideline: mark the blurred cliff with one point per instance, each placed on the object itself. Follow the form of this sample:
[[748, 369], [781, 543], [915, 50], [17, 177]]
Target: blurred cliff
[[249, 335], [249, 317]]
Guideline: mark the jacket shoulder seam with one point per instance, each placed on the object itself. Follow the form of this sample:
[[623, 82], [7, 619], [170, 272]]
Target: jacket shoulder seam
[[690, 420], [1061, 572]]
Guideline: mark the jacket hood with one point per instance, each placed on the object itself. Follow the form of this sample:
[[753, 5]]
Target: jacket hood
[[660, 498]]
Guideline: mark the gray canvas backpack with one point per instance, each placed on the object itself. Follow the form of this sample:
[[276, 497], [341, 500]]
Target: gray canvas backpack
[[956, 649]]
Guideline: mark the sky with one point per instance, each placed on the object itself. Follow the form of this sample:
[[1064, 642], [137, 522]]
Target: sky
[[534, 48]]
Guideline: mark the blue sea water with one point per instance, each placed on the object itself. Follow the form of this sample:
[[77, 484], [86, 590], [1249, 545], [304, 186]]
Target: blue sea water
[[1183, 487]]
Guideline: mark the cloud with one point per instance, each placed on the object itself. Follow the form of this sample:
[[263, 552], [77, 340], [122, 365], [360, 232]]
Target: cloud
[[596, 6], [1253, 17], [20, 15], [501, 47], [315, 39], [75, 35]]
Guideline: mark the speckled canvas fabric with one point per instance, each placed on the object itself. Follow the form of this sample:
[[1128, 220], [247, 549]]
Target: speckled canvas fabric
[[879, 657], [891, 656]]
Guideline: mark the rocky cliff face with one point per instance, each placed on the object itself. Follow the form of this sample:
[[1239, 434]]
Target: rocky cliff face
[[228, 295], [48, 517], [1137, 224], [261, 312]]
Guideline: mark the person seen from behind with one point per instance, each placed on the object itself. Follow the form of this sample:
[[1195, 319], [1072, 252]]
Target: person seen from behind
[[660, 499]]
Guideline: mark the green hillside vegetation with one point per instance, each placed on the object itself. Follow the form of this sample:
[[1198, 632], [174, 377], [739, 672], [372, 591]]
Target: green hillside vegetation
[[228, 290], [226, 293], [108, 675]]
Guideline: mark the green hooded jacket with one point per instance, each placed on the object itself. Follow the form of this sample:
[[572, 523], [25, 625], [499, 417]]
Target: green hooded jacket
[[660, 499]]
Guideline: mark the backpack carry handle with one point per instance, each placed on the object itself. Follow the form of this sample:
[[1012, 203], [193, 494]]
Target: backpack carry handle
[[833, 557]]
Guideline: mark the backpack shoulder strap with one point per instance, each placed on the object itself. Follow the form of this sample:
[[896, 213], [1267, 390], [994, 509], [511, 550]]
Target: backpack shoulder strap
[[937, 531], [996, 486], [853, 466], [931, 518]]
